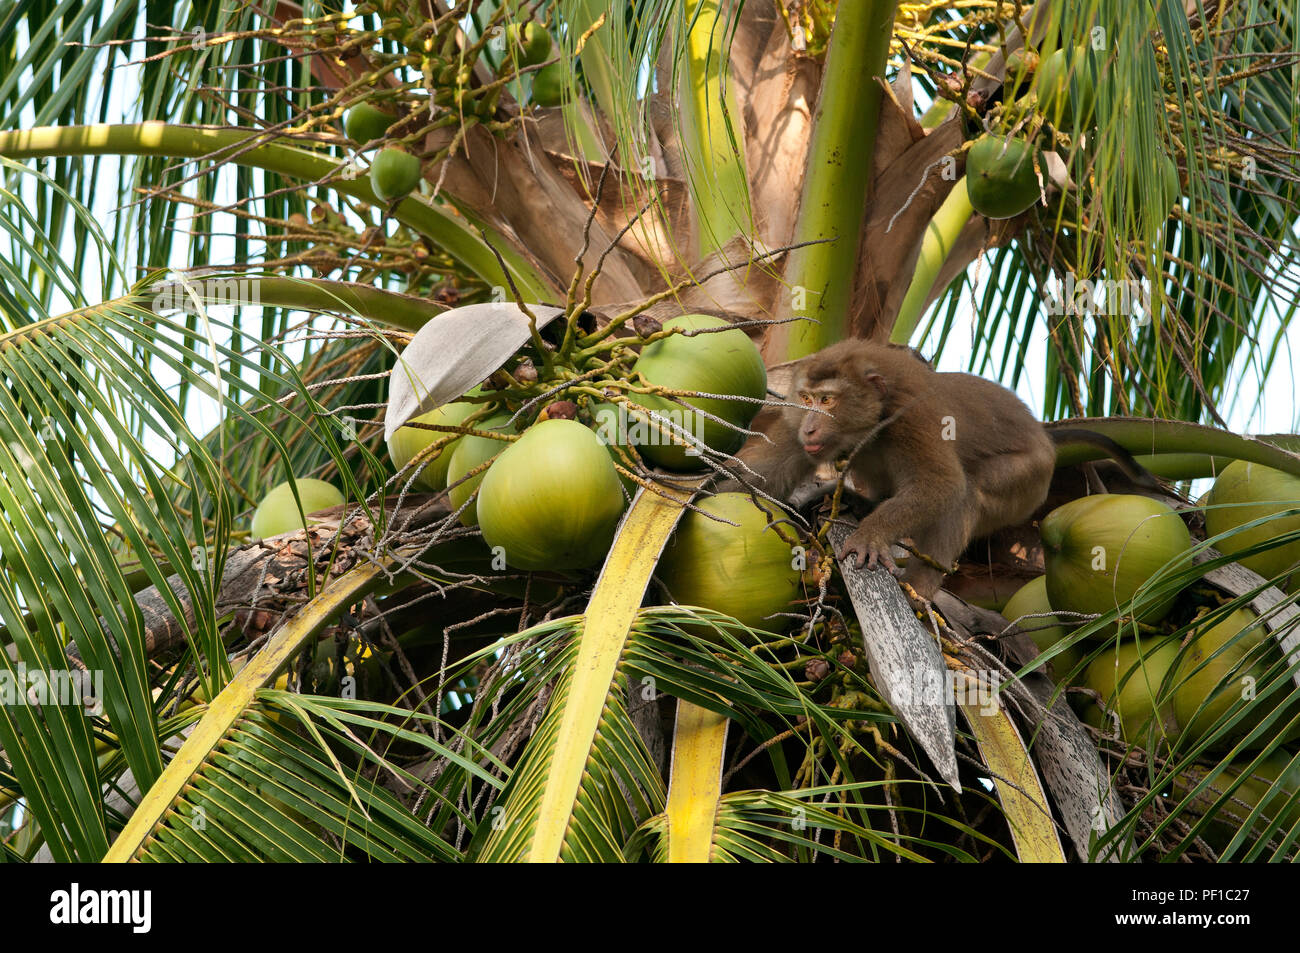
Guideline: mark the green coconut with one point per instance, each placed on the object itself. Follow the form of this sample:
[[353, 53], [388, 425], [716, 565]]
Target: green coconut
[[394, 173], [1130, 680], [1066, 86], [406, 442], [1223, 665], [1279, 772], [1169, 180], [278, 512], [745, 570], [726, 362], [1145, 175], [1245, 492], [364, 123], [1000, 177], [1099, 550], [552, 500], [470, 452], [530, 44], [1031, 599], [549, 86]]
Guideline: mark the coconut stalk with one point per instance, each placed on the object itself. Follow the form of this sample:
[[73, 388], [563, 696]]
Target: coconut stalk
[[407, 312], [1148, 436], [713, 150], [941, 108], [695, 789], [538, 815], [837, 181], [1024, 802], [1197, 466], [940, 239]]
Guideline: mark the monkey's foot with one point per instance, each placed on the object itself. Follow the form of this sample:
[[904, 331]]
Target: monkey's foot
[[868, 552]]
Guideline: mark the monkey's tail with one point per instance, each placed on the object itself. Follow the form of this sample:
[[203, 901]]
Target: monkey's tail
[[1139, 474]]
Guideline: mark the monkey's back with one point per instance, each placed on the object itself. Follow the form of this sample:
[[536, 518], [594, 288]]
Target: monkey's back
[[1004, 450], [988, 419]]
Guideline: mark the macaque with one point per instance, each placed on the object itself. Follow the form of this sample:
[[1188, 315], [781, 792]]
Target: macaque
[[944, 457]]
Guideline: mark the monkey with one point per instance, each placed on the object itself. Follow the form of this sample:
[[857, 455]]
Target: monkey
[[945, 457]]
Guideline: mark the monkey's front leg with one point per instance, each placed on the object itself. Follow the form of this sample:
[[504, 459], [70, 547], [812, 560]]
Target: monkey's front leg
[[931, 515], [869, 548]]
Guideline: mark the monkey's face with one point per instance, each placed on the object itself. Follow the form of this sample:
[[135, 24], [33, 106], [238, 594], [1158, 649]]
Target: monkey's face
[[819, 434], [838, 412]]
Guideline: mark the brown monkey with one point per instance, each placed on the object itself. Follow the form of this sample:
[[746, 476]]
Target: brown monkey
[[945, 457]]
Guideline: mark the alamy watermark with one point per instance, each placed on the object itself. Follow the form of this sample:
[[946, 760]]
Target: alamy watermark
[[941, 687], [22, 686], [666, 427], [86, 906], [1122, 296], [186, 292]]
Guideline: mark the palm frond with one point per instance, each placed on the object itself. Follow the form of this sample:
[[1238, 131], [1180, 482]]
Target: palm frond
[[562, 801], [1021, 792], [262, 775]]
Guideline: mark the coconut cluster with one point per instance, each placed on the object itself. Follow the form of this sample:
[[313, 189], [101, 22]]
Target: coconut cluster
[[1047, 94], [548, 495], [526, 48], [1176, 671]]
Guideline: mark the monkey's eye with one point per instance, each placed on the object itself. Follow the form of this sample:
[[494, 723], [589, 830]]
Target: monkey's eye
[[806, 399]]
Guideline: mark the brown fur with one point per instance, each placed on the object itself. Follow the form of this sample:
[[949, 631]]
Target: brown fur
[[945, 457]]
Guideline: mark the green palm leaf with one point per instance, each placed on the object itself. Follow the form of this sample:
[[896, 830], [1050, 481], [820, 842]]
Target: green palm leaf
[[204, 135], [246, 785], [563, 801]]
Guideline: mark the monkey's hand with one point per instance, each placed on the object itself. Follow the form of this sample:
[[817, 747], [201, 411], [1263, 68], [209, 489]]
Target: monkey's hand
[[869, 550]]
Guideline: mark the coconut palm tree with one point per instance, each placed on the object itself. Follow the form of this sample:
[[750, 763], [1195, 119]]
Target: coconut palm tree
[[210, 276]]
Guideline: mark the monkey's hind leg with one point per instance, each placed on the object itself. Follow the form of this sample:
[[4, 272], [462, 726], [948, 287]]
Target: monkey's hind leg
[[1009, 487]]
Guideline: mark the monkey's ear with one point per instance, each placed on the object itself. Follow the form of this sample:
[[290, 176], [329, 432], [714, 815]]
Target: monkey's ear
[[877, 381]]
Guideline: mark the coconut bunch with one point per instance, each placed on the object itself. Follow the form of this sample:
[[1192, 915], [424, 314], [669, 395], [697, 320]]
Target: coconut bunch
[[1178, 673], [1038, 136], [544, 455], [432, 79], [1172, 662]]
